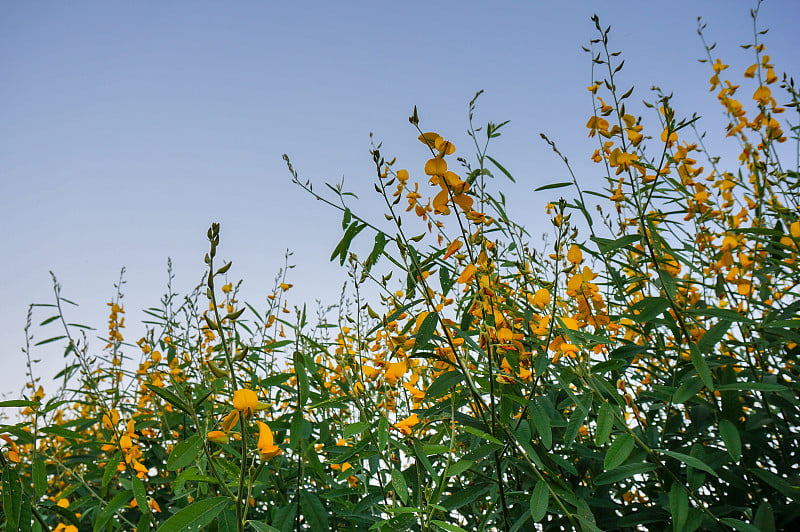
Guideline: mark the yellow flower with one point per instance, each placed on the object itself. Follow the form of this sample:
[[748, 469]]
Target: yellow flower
[[246, 402], [429, 139], [405, 425], [763, 95], [13, 453], [395, 370], [110, 419], [467, 275], [125, 442], [452, 248], [266, 446], [794, 229], [541, 298], [445, 147], [574, 255], [218, 436], [230, 420], [436, 166], [440, 201]]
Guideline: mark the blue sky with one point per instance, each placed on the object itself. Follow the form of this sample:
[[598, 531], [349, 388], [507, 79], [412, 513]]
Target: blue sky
[[129, 127]]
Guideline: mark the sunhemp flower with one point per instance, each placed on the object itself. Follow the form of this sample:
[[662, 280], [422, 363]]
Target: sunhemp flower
[[111, 418], [218, 436], [405, 425], [266, 445], [13, 452], [541, 298], [574, 255], [228, 422], [246, 402]]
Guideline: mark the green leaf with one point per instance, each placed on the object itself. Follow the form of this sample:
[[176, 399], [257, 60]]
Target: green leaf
[[63, 432], [777, 482], [64, 513], [453, 470], [296, 428], [50, 340], [587, 524], [765, 518], [688, 389], [169, 397], [140, 494], [730, 436], [332, 402], [39, 476], [690, 461], [648, 309], [196, 515], [400, 486], [300, 371], [447, 526], [605, 422], [184, 453], [13, 403], [110, 469], [553, 185], [607, 245], [426, 330], [619, 451], [481, 434], [540, 499], [377, 250], [541, 421], [434, 448], [737, 524], [355, 428], [12, 498], [346, 217], [500, 167], [713, 336], [699, 363], [344, 244], [314, 511], [721, 313], [443, 384], [284, 517], [573, 426], [226, 521], [755, 386], [383, 432], [678, 505], [262, 527], [26, 516], [119, 500], [623, 472], [144, 523]]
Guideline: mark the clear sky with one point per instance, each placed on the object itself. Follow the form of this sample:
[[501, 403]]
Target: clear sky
[[128, 127]]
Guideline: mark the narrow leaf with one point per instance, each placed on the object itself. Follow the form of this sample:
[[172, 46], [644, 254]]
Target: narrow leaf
[[553, 185], [690, 461], [730, 436], [619, 451], [400, 486], [314, 511], [184, 453], [196, 515], [540, 498]]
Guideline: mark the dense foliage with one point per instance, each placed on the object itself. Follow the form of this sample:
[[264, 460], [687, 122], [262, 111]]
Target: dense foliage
[[639, 373]]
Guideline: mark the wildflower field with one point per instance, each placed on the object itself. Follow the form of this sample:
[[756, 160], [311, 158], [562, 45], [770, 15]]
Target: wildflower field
[[638, 371]]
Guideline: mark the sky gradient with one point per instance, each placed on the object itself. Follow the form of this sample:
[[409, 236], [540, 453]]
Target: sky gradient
[[129, 127]]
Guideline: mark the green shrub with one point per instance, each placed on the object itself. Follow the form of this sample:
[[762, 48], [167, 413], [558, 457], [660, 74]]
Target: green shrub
[[640, 374]]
